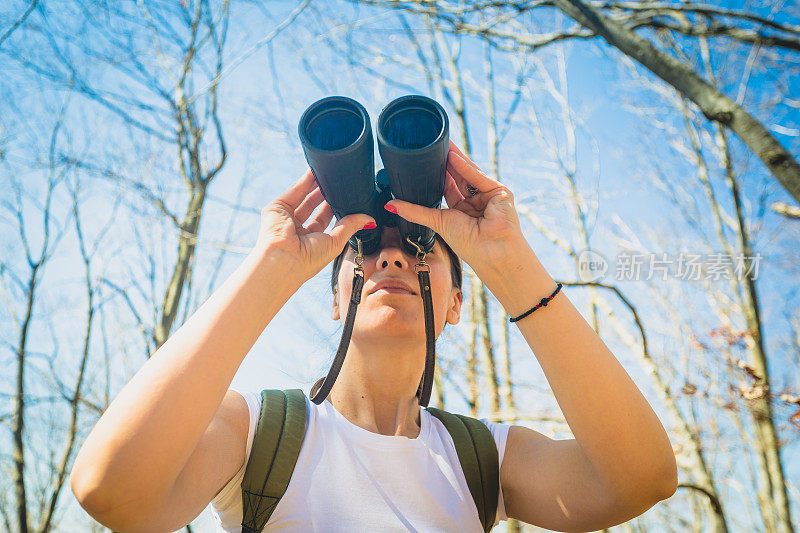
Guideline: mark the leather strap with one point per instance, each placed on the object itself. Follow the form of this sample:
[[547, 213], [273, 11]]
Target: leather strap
[[321, 389], [426, 383], [321, 393]]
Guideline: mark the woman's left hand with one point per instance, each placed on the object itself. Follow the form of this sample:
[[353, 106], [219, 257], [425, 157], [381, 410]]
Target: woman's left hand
[[483, 229]]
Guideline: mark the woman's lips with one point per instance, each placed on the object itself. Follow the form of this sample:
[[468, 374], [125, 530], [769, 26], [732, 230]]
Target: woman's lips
[[392, 285], [393, 290]]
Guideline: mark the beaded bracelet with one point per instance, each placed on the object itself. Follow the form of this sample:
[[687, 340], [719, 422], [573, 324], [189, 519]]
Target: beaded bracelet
[[537, 306]]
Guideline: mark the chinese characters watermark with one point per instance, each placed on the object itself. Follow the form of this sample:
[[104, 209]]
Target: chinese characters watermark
[[638, 266]]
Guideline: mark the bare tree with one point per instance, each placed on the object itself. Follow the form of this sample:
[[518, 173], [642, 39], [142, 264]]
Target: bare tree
[[772, 487], [179, 95], [155, 78], [27, 284], [73, 395], [502, 23], [565, 180], [18, 21]]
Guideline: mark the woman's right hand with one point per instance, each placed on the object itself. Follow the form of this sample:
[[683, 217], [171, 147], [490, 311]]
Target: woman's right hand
[[308, 248]]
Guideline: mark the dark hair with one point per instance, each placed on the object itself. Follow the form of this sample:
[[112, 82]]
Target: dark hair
[[455, 264]]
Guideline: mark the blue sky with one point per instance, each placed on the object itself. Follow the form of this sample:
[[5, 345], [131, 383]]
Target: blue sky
[[265, 158]]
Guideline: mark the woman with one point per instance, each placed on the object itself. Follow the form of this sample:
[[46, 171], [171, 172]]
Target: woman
[[176, 437]]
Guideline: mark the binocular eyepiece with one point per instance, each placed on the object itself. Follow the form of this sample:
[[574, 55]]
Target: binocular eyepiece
[[413, 142]]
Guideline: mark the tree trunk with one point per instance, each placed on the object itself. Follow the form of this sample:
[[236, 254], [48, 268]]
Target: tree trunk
[[20, 496], [760, 406], [187, 242], [490, 371], [472, 360], [438, 397]]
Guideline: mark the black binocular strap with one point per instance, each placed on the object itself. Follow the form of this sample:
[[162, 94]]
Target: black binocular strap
[[426, 384], [323, 386], [319, 395]]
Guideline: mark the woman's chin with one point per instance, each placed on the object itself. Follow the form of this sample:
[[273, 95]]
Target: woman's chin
[[392, 322]]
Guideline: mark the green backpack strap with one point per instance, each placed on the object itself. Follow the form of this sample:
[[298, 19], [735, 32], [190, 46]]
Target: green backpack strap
[[276, 445], [477, 453]]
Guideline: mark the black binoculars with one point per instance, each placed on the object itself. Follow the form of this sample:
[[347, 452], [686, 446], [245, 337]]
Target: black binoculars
[[413, 141]]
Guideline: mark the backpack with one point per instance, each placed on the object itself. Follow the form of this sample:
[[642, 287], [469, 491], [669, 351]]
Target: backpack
[[279, 435]]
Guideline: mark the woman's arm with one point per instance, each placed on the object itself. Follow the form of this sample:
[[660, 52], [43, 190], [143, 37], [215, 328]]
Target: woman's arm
[[140, 445], [167, 427], [621, 461]]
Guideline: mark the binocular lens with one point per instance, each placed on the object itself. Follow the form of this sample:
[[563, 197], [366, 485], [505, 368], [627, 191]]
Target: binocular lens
[[413, 140], [334, 128], [337, 139], [413, 133], [411, 128]]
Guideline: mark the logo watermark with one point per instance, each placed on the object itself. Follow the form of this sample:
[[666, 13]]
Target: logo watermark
[[591, 266], [641, 266]]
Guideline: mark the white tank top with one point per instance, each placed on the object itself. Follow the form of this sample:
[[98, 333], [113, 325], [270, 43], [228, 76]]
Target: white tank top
[[350, 479]]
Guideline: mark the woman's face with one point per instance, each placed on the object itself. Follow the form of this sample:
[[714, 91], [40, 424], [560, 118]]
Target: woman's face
[[397, 314]]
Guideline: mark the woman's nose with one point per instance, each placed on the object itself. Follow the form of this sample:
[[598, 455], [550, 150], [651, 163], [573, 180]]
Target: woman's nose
[[393, 255]]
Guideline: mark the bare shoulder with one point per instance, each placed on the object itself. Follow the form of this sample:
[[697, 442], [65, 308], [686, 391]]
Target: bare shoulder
[[226, 436], [234, 412], [216, 459]]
